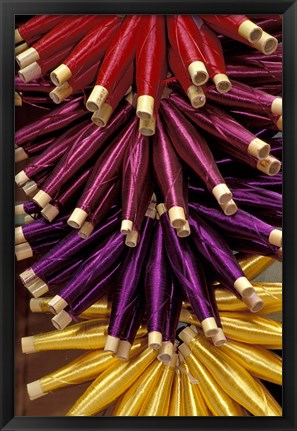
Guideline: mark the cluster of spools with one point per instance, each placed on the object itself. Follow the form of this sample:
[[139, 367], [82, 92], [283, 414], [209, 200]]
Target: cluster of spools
[[149, 218]]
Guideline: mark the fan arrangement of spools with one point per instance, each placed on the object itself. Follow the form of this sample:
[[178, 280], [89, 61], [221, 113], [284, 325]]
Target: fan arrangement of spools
[[154, 201]]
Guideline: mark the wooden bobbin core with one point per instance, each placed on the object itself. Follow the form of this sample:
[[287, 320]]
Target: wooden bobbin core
[[96, 98], [184, 350], [42, 198], [61, 320], [57, 304], [123, 350], [20, 155], [38, 288], [184, 231], [28, 277], [86, 230], [250, 31], [21, 48], [155, 340], [19, 236], [243, 287], [222, 193], [32, 71], [60, 75], [49, 212], [147, 127], [229, 208], [258, 149], [177, 217], [23, 251], [111, 344], [27, 344], [275, 237], [36, 305], [209, 327], [187, 335], [132, 238], [222, 83], [27, 57], [18, 101], [35, 390], [279, 123], [102, 116], [21, 178], [219, 339], [196, 96], [270, 166], [59, 94], [166, 352], [19, 210], [145, 107], [277, 106], [267, 44], [30, 187], [198, 73], [253, 302], [77, 218], [126, 226], [161, 208], [17, 36]]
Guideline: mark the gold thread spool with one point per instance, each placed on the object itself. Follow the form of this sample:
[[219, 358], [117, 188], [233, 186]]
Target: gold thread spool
[[131, 401], [90, 334], [232, 377], [270, 399], [258, 361], [111, 384], [157, 401], [218, 402], [253, 266], [176, 406], [194, 403]]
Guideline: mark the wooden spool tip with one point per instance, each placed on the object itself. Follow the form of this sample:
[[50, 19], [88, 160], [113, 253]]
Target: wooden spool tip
[[253, 302], [184, 350], [187, 335], [219, 339], [229, 208], [198, 73], [102, 116], [38, 288], [184, 231], [21, 178], [222, 193], [23, 251], [250, 31], [154, 340], [276, 237], [267, 44], [50, 212], [147, 127], [244, 287], [42, 198], [270, 166], [77, 218], [27, 57], [145, 107], [86, 230], [259, 149], [111, 344], [177, 217], [20, 155], [126, 226], [17, 36], [132, 238], [166, 352], [209, 327], [61, 320], [96, 99], [222, 83], [57, 304], [123, 350], [60, 75], [27, 344], [196, 96], [30, 72], [35, 390]]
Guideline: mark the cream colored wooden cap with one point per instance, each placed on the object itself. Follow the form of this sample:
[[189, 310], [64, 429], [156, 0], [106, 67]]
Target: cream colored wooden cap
[[57, 304], [147, 127], [17, 36], [219, 339], [270, 166], [222, 83], [32, 71], [229, 208], [36, 305], [196, 96], [145, 107], [38, 288], [253, 302], [77, 218], [19, 236], [42, 198], [21, 178], [27, 344], [86, 230], [50, 212], [23, 251], [27, 57], [209, 327], [60, 75], [267, 44], [276, 237], [132, 238], [222, 193], [123, 351], [126, 226], [61, 320], [184, 231], [244, 287], [184, 350], [277, 106], [61, 93], [258, 149], [154, 340], [30, 187], [250, 31], [279, 123], [166, 351], [198, 73], [21, 48], [20, 155], [111, 344], [161, 208], [35, 390], [97, 98], [28, 277], [102, 116], [19, 210], [177, 217], [187, 335]]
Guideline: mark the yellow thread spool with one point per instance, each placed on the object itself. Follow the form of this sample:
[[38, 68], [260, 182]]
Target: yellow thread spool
[[194, 403], [176, 406], [111, 384], [253, 266]]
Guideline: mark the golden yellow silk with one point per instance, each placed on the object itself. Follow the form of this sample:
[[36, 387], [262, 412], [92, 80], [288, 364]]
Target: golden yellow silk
[[82, 369], [252, 329], [253, 266], [258, 361], [131, 401], [176, 406], [90, 334], [112, 383], [218, 402], [99, 309], [194, 404], [232, 377], [270, 399], [270, 293], [158, 399]]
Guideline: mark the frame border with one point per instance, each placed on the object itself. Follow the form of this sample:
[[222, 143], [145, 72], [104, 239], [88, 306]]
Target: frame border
[[7, 267]]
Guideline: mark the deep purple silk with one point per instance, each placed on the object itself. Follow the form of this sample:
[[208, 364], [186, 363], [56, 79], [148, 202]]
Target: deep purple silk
[[173, 312], [110, 198], [38, 146], [41, 228]]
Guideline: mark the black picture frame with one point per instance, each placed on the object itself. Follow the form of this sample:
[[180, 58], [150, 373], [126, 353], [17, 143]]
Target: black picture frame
[[10, 8]]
